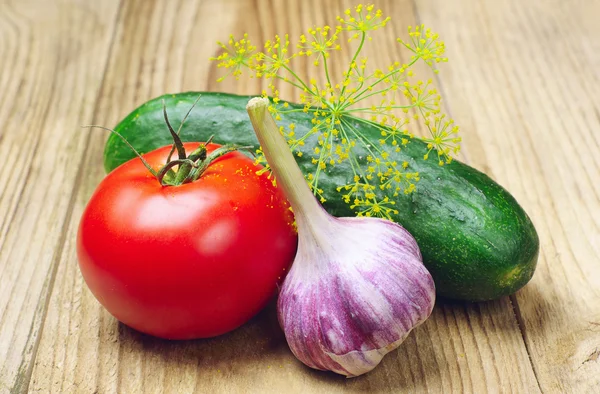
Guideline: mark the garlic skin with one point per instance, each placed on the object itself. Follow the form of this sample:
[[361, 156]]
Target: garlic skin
[[353, 294]]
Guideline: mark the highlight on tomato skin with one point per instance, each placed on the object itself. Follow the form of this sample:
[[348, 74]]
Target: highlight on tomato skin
[[190, 261]]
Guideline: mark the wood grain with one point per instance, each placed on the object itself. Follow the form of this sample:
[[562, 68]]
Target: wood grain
[[52, 57], [525, 80], [522, 81]]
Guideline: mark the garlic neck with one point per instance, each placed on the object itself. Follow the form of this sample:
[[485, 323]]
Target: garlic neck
[[310, 216]]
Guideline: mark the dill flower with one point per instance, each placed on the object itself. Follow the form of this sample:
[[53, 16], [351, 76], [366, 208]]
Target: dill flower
[[338, 110]]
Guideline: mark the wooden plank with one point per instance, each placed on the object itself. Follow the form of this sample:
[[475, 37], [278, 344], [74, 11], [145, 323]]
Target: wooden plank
[[52, 60], [525, 78], [163, 47]]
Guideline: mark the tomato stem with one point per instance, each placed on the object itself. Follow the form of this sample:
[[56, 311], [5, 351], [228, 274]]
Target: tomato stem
[[197, 172], [152, 171], [186, 166], [181, 126], [166, 170], [176, 140], [190, 168]]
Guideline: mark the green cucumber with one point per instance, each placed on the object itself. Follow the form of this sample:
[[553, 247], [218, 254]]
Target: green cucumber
[[476, 240]]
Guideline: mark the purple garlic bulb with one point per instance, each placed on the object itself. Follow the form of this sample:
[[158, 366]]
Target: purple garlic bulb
[[353, 294], [357, 286]]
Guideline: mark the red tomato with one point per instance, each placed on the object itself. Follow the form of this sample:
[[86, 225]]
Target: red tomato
[[189, 261]]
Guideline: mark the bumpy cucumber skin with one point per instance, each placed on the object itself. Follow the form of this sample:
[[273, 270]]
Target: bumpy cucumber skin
[[476, 240]]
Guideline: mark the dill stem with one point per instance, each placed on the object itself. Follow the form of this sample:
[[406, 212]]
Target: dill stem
[[358, 96], [372, 94], [367, 143], [289, 111], [374, 124], [367, 109], [326, 70], [321, 160], [352, 158], [287, 80], [360, 46], [298, 79]]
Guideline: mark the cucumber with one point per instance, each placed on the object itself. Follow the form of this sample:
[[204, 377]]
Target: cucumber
[[476, 240]]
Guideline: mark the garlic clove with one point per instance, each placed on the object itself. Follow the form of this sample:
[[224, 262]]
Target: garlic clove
[[355, 295]]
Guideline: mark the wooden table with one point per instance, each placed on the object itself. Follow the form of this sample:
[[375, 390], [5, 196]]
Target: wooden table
[[523, 81]]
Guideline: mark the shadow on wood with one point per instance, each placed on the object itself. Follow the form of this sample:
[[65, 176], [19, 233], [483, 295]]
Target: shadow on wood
[[259, 347]]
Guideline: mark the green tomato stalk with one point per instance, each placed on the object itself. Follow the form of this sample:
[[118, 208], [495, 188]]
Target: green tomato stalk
[[188, 168]]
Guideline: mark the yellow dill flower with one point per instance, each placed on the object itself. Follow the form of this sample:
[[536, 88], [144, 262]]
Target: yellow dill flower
[[337, 107], [236, 56], [363, 20], [443, 138], [425, 44]]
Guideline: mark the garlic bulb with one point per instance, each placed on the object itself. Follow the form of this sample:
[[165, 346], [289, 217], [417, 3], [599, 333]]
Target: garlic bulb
[[357, 286]]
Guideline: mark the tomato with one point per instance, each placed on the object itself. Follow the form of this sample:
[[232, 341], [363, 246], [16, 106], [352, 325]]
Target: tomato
[[189, 261]]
